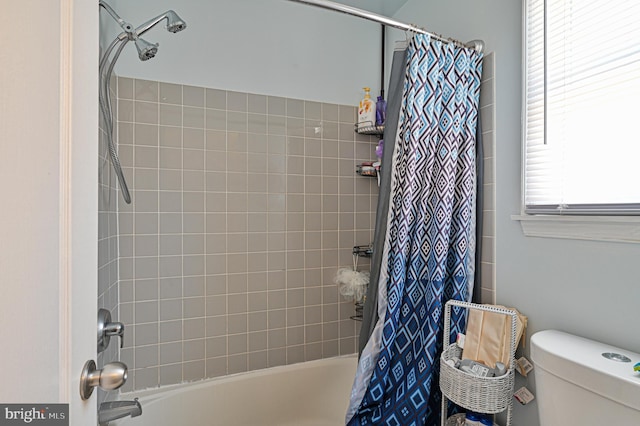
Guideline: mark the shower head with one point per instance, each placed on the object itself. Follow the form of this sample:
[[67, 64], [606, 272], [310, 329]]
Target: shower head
[[146, 50], [174, 22]]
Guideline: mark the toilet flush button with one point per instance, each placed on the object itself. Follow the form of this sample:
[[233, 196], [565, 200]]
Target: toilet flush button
[[616, 357]]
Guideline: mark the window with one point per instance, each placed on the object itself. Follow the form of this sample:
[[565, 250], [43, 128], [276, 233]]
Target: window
[[582, 107]]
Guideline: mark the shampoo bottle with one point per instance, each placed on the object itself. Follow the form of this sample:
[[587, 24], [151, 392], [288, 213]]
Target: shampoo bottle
[[366, 111], [472, 419]]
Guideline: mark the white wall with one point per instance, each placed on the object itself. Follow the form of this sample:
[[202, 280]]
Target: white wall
[[271, 47], [30, 234], [585, 288]]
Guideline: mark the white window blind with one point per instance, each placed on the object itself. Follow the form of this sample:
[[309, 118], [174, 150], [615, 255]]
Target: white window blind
[[582, 107]]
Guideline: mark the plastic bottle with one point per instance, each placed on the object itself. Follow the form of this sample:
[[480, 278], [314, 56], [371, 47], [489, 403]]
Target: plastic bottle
[[485, 420], [380, 149], [381, 111], [472, 419], [366, 111]]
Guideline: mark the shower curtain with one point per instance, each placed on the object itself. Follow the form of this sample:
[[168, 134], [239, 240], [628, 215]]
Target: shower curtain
[[396, 81], [427, 257]]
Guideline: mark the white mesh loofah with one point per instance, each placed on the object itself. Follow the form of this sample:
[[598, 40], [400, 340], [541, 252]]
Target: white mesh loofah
[[353, 284]]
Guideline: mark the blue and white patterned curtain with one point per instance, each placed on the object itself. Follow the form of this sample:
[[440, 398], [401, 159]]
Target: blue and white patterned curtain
[[430, 241]]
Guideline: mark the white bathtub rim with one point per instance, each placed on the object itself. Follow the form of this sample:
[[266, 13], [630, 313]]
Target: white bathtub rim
[[150, 395]]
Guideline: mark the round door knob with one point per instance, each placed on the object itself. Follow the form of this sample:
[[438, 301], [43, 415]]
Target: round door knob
[[112, 376]]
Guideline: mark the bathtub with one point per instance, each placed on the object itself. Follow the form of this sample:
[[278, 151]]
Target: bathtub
[[314, 393]]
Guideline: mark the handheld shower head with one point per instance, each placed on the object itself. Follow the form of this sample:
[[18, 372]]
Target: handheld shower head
[[174, 22], [146, 50]]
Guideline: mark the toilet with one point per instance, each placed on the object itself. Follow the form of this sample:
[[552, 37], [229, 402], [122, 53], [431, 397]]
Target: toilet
[[577, 385]]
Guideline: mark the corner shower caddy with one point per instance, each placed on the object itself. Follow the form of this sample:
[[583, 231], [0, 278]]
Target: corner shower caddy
[[361, 251], [368, 128], [489, 395]]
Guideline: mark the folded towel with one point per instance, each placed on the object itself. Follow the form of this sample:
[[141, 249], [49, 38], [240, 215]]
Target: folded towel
[[488, 336]]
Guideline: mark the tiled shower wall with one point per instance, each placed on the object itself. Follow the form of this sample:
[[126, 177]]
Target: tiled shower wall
[[487, 112], [244, 206], [107, 242]]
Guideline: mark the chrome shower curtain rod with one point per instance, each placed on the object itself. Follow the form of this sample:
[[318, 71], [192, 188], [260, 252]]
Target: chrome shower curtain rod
[[360, 13]]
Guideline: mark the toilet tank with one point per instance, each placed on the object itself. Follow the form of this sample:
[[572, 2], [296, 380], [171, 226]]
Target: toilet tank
[[577, 385]]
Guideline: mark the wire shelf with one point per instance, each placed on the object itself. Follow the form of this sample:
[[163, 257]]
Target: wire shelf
[[368, 128], [363, 251], [359, 309]]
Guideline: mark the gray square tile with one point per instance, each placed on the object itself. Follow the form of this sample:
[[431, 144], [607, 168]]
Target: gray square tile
[[170, 374], [146, 356], [216, 326], [312, 110], [276, 105], [193, 350], [258, 360], [194, 370], [216, 367], [257, 103], [216, 119], [216, 99], [238, 363], [193, 117], [145, 134], [125, 110], [193, 96], [170, 136], [146, 312], [125, 88], [146, 334], [237, 101], [170, 309], [146, 378], [193, 307], [194, 328], [146, 290], [146, 90], [257, 321], [193, 138], [171, 353], [295, 108], [146, 112], [347, 114], [237, 121], [170, 93], [237, 323], [216, 347], [257, 341]]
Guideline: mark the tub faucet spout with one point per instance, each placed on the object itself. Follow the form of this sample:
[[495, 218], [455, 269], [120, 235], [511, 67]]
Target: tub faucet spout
[[114, 410]]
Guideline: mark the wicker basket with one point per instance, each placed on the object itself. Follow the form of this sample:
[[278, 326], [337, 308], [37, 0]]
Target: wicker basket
[[489, 395]]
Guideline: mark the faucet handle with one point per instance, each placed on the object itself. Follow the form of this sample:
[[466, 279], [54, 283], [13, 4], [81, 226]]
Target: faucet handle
[[106, 329], [115, 329]]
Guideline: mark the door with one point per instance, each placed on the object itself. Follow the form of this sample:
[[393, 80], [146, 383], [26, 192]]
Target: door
[[48, 207]]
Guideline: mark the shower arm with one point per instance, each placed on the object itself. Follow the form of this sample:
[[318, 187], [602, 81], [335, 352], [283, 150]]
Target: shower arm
[[150, 24], [127, 27]]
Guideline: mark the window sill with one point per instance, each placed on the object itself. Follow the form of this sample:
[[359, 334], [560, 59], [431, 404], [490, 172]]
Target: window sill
[[623, 229]]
